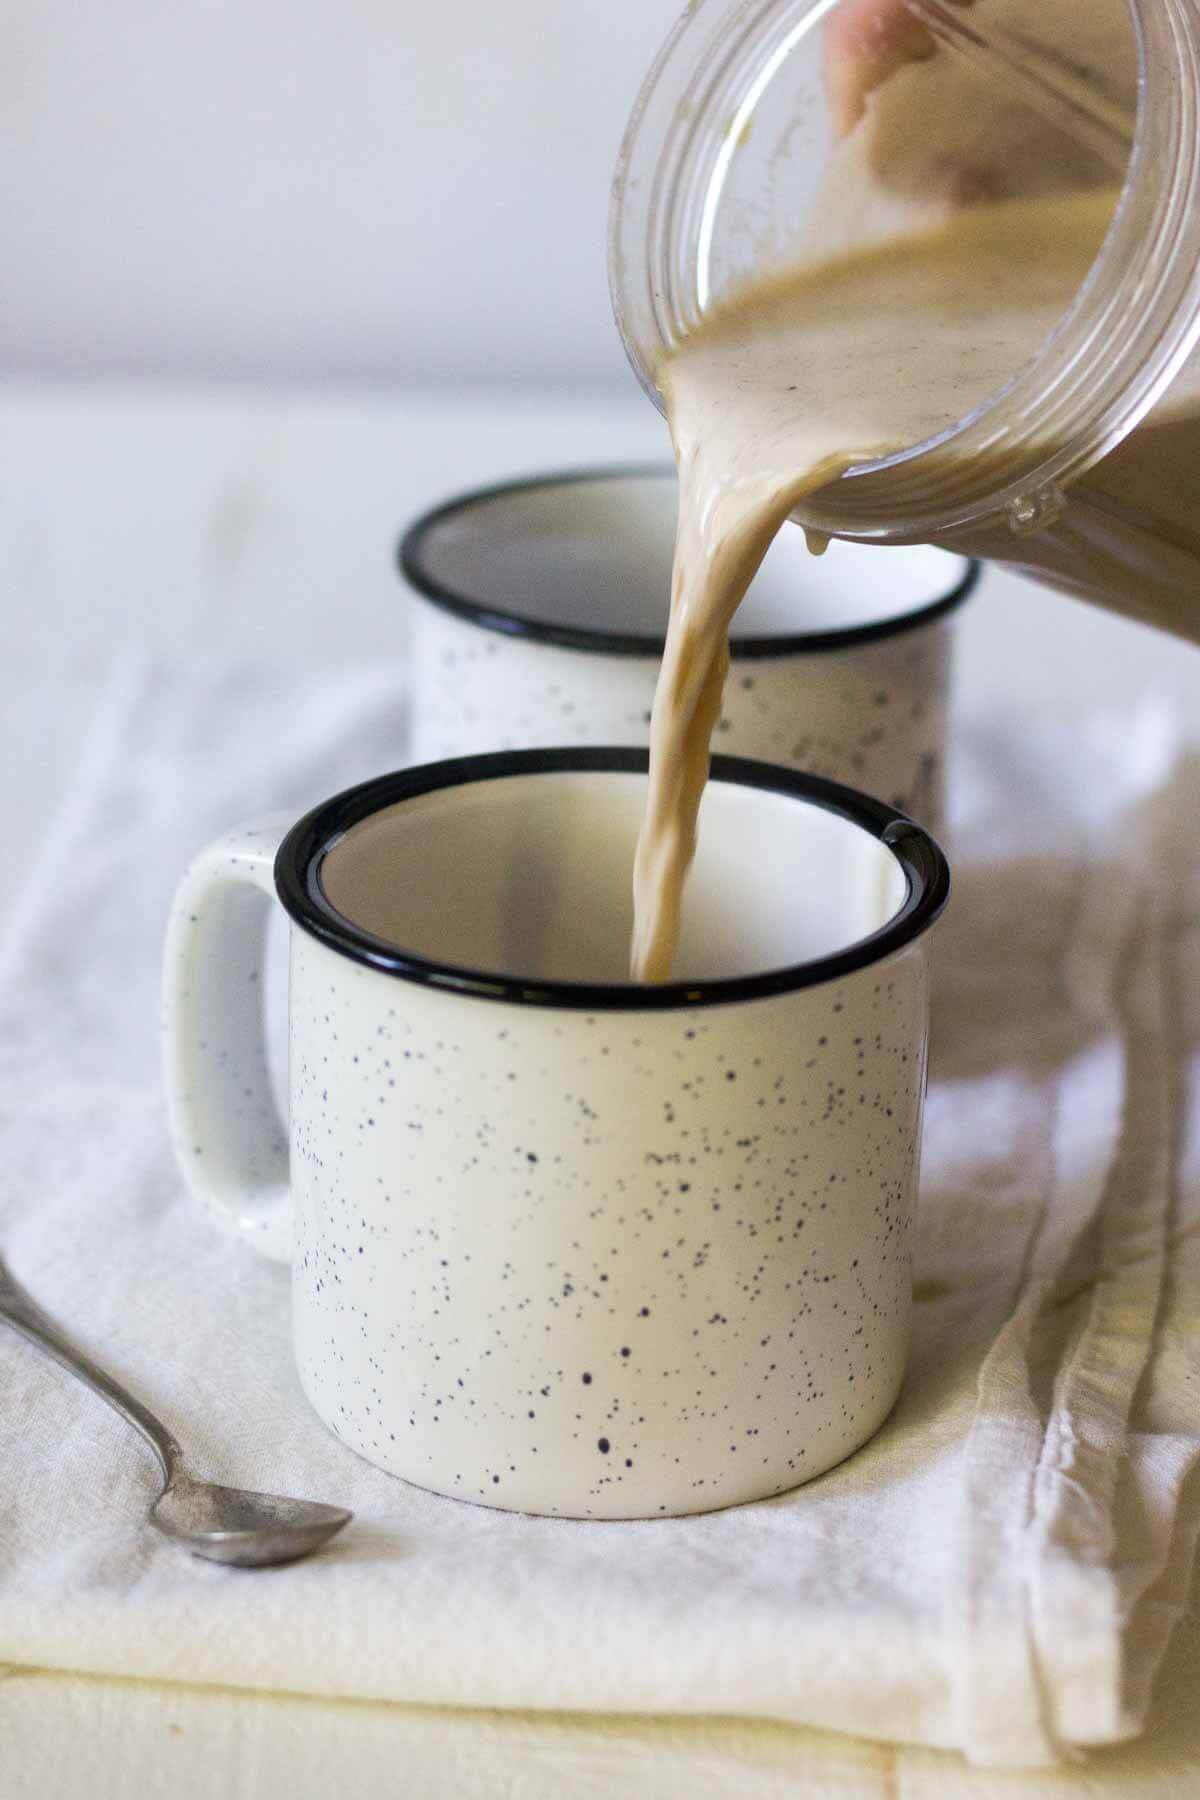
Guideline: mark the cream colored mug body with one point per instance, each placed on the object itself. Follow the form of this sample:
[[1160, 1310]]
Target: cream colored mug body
[[563, 1244]]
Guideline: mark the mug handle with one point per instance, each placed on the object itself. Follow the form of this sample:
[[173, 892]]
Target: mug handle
[[229, 1139]]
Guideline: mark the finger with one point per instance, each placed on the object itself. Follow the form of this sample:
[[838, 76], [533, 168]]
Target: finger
[[866, 41]]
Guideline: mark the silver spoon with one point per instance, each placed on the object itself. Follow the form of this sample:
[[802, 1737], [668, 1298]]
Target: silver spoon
[[226, 1525]]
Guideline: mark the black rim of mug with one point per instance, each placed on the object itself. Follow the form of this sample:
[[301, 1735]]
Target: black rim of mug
[[412, 557], [302, 853]]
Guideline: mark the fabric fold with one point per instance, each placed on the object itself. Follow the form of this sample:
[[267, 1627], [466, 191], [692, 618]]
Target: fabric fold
[[998, 1571]]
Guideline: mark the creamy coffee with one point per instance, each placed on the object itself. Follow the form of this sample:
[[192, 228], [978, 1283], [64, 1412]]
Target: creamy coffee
[[959, 213], [781, 389]]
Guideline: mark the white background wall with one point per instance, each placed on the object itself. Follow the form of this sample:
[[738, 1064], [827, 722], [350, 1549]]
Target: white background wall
[[311, 189]]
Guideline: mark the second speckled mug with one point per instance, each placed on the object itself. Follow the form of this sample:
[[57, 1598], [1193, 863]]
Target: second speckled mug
[[562, 1244], [542, 606]]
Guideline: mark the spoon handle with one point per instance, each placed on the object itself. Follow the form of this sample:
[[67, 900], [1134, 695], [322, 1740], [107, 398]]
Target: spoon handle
[[25, 1316]]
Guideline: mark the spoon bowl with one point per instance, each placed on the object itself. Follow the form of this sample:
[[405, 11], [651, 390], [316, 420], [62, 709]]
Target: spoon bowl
[[242, 1528]]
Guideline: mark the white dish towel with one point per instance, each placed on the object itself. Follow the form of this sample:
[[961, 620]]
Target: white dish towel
[[999, 1570]]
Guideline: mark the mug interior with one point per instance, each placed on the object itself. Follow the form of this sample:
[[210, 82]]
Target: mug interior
[[592, 553], [528, 877]]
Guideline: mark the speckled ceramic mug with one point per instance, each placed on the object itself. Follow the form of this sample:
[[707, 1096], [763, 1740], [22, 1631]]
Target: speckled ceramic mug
[[562, 1244], [541, 607]]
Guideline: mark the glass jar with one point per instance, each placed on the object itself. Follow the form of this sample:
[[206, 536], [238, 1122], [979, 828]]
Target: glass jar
[[1084, 468]]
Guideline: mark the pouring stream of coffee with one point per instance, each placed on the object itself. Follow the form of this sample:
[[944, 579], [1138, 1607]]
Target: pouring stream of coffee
[[978, 169], [780, 390]]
